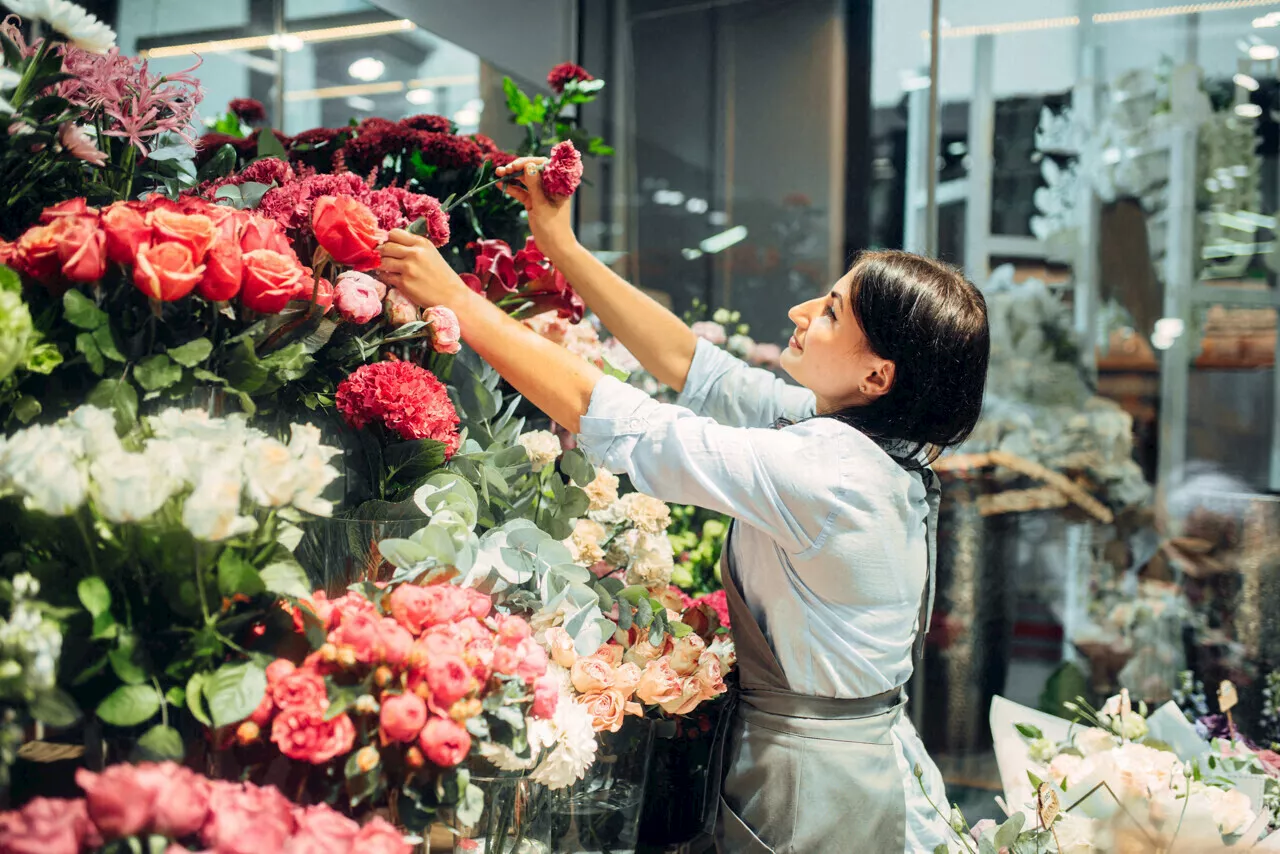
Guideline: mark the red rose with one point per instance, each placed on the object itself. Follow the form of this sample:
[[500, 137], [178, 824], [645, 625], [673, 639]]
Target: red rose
[[196, 231], [82, 248], [304, 735], [223, 272], [270, 280], [126, 230], [47, 826], [348, 231], [450, 679], [247, 819], [322, 830], [118, 802], [402, 717], [262, 233], [71, 207], [379, 837], [166, 271], [181, 798], [301, 689], [36, 253], [444, 742]]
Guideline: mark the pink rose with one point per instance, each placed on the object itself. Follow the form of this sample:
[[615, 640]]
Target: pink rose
[[263, 233], [607, 709], [270, 279], [396, 642], [528, 660], [118, 802], [196, 232], [403, 717], [690, 697], [610, 653], [444, 742], [480, 655], [478, 604], [626, 677], [416, 607], [591, 675], [709, 676], [47, 826], [166, 271], [301, 689], [356, 298], [684, 658], [546, 696], [561, 646], [247, 819], [82, 248], [322, 830], [512, 630], [658, 683], [348, 231], [445, 331], [434, 642], [362, 631], [398, 308], [305, 735], [450, 679], [379, 837], [180, 797]]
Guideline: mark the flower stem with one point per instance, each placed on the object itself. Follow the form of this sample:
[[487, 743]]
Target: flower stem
[[28, 74], [476, 189]]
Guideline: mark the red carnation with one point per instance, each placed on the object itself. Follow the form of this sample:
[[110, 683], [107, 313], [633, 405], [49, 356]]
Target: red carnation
[[405, 397], [718, 603], [429, 122], [374, 142], [211, 143], [563, 172], [560, 76], [491, 152], [396, 207], [248, 110], [448, 151]]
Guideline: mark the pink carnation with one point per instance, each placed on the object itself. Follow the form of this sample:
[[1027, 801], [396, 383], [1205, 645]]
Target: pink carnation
[[718, 603], [396, 207], [445, 331], [405, 397], [563, 172], [358, 296]]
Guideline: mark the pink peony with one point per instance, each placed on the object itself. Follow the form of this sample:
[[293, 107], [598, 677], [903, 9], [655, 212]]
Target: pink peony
[[444, 742], [418, 607], [449, 679], [563, 172], [118, 801], [180, 795], [247, 819], [47, 826], [304, 735], [379, 837], [398, 308], [402, 717], [358, 296], [445, 331], [322, 830]]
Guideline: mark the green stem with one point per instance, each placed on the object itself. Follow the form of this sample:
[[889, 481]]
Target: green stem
[[130, 155], [164, 704], [28, 74], [88, 542], [476, 189], [200, 585]]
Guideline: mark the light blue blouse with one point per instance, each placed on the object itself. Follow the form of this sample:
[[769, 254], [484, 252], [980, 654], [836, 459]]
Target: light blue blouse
[[830, 553]]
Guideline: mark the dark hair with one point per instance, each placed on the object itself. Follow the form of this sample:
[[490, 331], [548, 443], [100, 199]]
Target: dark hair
[[931, 322]]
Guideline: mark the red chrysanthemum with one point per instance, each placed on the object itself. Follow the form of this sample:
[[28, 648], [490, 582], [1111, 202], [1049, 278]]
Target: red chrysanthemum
[[718, 603], [396, 207], [429, 122], [563, 73], [448, 151], [563, 172], [248, 110], [405, 397], [374, 142]]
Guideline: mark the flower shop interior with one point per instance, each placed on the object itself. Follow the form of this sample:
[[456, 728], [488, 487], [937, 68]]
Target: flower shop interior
[[285, 566]]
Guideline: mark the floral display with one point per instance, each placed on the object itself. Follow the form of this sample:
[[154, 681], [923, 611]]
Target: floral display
[[167, 807], [524, 282], [30, 650]]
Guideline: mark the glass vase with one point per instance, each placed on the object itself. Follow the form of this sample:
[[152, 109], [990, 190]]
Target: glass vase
[[509, 824]]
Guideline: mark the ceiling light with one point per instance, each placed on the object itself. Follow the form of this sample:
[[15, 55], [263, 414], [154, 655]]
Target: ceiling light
[[282, 41], [476, 104], [1248, 111], [1244, 81], [366, 68], [718, 218], [466, 117], [420, 97], [1100, 18], [1264, 52], [691, 254], [723, 240], [696, 205]]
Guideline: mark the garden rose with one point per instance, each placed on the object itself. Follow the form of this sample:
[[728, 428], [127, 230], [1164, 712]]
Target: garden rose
[[403, 716], [348, 231], [416, 608], [478, 604], [610, 653], [224, 269], [303, 734], [126, 229], [642, 652], [398, 308], [690, 697], [46, 826], [279, 669], [658, 684], [591, 675], [446, 334], [301, 689], [607, 709], [512, 630], [527, 660], [195, 231], [263, 233], [379, 837], [270, 280], [358, 297], [561, 645], [450, 679], [322, 830], [626, 678], [362, 632], [444, 742], [684, 658], [247, 819], [546, 696], [166, 271], [119, 804], [181, 798], [710, 676], [81, 248], [395, 641]]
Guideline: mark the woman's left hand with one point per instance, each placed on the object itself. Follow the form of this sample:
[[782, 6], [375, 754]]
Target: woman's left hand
[[411, 264]]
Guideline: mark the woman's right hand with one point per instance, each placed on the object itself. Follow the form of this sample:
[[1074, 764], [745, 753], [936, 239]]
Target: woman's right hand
[[550, 219]]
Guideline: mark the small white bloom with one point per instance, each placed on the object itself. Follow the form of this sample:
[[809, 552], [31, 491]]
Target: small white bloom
[[1075, 834], [542, 447], [130, 487], [1093, 740], [212, 511], [574, 746], [81, 29], [603, 491], [649, 514], [1042, 750], [651, 558], [740, 345], [1231, 808], [585, 543]]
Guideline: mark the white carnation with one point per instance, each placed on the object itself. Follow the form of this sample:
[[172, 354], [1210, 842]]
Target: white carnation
[[603, 491], [585, 542], [542, 447], [647, 513], [651, 558], [130, 487]]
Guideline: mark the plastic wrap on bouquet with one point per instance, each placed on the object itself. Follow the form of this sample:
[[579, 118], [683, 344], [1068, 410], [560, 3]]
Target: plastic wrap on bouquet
[[339, 552]]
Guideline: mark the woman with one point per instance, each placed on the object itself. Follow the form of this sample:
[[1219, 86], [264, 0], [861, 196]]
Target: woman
[[829, 573]]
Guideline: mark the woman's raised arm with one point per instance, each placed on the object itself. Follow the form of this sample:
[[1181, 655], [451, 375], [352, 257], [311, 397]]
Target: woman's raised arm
[[662, 342]]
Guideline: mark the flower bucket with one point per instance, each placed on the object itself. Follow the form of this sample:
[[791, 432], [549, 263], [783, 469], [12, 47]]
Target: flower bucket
[[680, 797]]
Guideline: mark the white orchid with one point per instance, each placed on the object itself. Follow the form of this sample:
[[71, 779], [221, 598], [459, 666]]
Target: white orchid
[[83, 30]]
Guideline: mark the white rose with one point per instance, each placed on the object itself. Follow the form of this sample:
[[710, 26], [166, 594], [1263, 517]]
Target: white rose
[[603, 491], [1042, 750], [1064, 768], [212, 511], [652, 559], [585, 543], [131, 487], [1141, 770], [647, 513], [543, 448], [312, 473], [1231, 808], [1093, 740], [43, 465], [270, 472], [97, 429], [1075, 834]]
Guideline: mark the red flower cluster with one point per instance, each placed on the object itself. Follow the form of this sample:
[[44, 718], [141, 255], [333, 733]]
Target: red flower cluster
[[563, 172], [211, 143], [718, 603], [432, 653], [173, 249], [249, 110], [168, 800], [432, 136], [501, 274], [560, 76], [430, 122], [407, 398]]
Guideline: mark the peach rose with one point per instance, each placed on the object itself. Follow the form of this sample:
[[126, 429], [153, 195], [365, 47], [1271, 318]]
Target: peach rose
[[690, 697], [709, 675], [82, 248], [684, 658], [224, 269], [126, 230], [625, 678], [270, 280], [607, 709], [195, 231], [263, 233], [610, 653], [591, 675], [560, 644], [658, 683], [642, 652], [348, 231], [166, 271]]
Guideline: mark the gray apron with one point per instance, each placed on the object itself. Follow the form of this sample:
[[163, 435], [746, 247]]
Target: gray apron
[[812, 775]]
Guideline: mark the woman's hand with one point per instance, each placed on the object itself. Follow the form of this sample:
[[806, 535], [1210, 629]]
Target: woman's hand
[[550, 219], [416, 268]]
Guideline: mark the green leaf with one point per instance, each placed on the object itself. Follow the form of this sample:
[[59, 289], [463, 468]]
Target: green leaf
[[92, 354], [679, 629], [575, 465], [233, 691], [286, 577], [81, 311], [156, 372], [1008, 832], [175, 696], [251, 192], [10, 280], [106, 341], [220, 165], [236, 576], [55, 708], [126, 660], [195, 699], [181, 151], [1029, 731], [269, 146], [120, 396], [192, 353], [471, 807], [644, 614], [94, 595], [26, 409], [130, 705], [160, 743]]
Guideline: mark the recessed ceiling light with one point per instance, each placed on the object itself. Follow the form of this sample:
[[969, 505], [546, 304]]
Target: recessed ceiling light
[[467, 117], [366, 68], [1244, 81], [420, 97], [1264, 52], [1248, 111]]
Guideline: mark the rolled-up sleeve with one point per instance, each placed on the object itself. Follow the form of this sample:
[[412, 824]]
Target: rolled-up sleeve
[[726, 389], [779, 481]]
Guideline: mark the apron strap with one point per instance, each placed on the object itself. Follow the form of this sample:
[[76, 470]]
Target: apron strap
[[933, 497], [758, 667]]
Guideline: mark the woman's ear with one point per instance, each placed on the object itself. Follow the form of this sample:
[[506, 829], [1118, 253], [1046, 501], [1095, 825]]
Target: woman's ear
[[877, 383]]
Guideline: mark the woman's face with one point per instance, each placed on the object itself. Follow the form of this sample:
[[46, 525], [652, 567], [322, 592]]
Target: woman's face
[[829, 354]]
